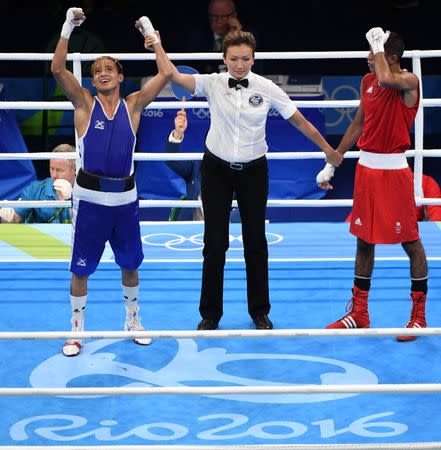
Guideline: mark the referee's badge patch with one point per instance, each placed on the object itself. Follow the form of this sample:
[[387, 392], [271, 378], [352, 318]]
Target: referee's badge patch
[[255, 100]]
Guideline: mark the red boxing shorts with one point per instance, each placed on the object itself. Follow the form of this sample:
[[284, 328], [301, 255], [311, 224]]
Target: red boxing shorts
[[384, 210]]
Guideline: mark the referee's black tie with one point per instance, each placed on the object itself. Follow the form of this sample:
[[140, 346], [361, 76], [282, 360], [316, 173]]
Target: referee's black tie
[[233, 83]]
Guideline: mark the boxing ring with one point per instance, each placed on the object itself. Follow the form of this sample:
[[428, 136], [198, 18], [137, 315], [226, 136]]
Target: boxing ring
[[298, 386]]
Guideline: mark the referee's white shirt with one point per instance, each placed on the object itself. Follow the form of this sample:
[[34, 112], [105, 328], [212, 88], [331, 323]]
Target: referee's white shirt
[[238, 117]]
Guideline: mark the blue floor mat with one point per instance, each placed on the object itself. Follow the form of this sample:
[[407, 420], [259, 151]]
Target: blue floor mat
[[305, 293]]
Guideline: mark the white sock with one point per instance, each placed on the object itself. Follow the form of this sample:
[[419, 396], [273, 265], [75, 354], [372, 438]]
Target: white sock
[[78, 305], [130, 296]]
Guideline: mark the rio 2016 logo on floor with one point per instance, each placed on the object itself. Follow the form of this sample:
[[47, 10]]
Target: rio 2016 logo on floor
[[190, 364], [208, 366]]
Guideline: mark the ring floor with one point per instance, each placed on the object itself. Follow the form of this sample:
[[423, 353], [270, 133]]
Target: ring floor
[[311, 274]]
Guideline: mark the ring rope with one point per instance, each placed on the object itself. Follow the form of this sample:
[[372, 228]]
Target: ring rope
[[432, 153], [33, 56], [65, 106], [198, 203], [193, 334], [410, 388]]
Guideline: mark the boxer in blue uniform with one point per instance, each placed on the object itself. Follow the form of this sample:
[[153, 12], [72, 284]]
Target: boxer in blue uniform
[[105, 200]]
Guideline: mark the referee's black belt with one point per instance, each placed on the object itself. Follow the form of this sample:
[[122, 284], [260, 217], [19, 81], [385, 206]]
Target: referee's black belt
[[234, 165], [100, 183]]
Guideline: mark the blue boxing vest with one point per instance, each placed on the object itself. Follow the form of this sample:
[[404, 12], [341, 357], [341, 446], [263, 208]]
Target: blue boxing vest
[[107, 146], [106, 149]]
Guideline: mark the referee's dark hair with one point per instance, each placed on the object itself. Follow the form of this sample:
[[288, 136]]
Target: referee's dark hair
[[239, 38]]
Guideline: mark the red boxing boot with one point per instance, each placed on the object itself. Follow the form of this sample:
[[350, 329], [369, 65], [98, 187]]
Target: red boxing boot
[[358, 315], [417, 315]]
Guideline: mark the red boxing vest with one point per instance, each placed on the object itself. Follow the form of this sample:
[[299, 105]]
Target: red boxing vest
[[387, 120]]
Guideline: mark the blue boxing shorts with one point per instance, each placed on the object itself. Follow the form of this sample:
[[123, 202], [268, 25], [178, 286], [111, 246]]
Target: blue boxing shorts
[[94, 225]]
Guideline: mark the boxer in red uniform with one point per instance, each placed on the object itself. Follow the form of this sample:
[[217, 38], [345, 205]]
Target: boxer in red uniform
[[384, 210]]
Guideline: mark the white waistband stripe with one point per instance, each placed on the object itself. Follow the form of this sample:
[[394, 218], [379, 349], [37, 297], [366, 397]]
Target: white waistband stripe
[[385, 161]]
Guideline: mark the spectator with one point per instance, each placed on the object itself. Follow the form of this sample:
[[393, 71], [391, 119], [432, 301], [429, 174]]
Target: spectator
[[222, 18], [56, 187]]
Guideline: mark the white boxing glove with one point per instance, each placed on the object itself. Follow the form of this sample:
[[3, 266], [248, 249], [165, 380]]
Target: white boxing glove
[[64, 187], [7, 214], [74, 18], [146, 28], [377, 38], [325, 174]]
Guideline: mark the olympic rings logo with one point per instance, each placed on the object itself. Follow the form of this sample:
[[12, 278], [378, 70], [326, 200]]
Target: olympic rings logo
[[179, 242], [201, 113], [344, 92]]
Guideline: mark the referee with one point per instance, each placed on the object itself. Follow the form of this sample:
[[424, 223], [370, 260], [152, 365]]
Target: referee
[[234, 163]]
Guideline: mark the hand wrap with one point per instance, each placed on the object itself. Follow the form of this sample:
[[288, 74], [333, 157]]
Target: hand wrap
[[146, 28], [325, 174], [74, 18]]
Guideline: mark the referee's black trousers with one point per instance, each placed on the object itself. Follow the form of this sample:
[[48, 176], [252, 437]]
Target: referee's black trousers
[[250, 185]]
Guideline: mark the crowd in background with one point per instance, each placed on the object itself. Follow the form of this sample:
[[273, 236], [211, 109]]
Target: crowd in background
[[309, 26]]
